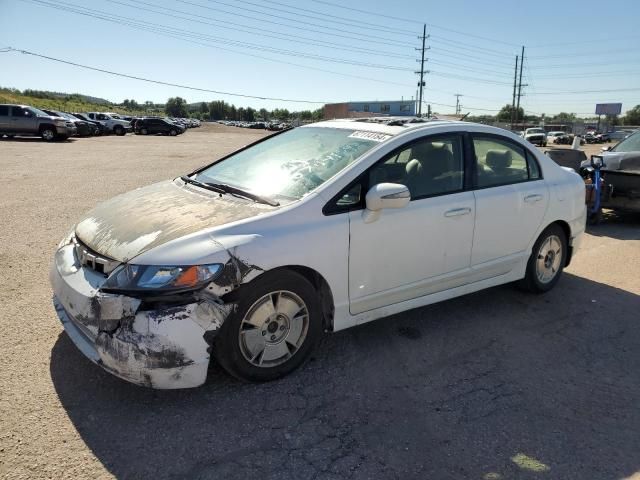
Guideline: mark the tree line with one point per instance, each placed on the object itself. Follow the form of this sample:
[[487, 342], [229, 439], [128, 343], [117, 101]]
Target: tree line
[[632, 117], [221, 110]]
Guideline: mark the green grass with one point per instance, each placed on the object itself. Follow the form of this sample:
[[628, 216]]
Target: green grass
[[69, 103]]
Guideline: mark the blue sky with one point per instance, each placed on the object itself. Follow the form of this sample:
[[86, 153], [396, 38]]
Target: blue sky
[[577, 53]]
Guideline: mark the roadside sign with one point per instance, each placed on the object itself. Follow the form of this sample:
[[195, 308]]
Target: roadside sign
[[608, 108]]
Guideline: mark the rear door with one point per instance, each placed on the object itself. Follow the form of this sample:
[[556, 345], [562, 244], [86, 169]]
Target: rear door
[[5, 119], [511, 200]]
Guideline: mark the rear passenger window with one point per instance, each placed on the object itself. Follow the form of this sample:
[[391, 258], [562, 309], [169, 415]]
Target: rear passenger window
[[4, 111], [431, 166], [501, 162]]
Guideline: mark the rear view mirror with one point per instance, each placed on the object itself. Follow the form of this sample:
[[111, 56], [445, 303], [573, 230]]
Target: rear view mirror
[[383, 196]]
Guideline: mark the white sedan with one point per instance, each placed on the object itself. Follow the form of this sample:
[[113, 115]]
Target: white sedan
[[318, 228]]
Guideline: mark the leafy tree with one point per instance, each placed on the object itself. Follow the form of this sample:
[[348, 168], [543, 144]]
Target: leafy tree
[[281, 114], [564, 117], [633, 116], [176, 107], [504, 115], [264, 114], [318, 114]]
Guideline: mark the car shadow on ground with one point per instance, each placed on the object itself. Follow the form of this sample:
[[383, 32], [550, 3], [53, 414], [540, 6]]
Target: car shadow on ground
[[497, 384], [619, 225], [35, 140]]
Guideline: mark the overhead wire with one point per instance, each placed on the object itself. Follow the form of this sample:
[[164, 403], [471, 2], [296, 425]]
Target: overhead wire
[[160, 82]]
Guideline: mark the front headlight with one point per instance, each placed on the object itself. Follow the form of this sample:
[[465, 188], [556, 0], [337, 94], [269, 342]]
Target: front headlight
[[60, 122], [160, 279]]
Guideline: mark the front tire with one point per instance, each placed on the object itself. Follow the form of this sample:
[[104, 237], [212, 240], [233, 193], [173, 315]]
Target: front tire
[[547, 261], [118, 130], [272, 330], [48, 134], [173, 132]]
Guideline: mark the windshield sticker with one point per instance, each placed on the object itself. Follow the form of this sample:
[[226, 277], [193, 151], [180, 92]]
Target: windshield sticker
[[376, 137]]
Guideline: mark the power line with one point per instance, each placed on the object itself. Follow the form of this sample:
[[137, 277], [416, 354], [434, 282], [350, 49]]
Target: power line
[[349, 22], [160, 82], [414, 21], [164, 28], [373, 37], [259, 32]]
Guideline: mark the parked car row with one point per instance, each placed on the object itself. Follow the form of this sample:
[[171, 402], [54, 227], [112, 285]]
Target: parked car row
[[25, 120], [274, 126]]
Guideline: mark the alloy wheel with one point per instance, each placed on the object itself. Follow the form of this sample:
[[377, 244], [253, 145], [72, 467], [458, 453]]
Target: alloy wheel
[[273, 329]]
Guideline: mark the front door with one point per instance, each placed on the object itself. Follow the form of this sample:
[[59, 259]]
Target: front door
[[23, 120], [422, 248]]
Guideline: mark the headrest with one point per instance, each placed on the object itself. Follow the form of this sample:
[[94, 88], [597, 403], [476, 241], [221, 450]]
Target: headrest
[[414, 167], [498, 159]]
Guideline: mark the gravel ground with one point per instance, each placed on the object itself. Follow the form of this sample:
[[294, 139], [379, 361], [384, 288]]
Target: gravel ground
[[494, 385]]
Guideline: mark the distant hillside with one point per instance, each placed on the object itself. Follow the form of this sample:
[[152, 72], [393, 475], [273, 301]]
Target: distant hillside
[[68, 102]]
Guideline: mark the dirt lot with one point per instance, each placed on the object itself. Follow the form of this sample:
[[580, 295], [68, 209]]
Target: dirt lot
[[494, 385]]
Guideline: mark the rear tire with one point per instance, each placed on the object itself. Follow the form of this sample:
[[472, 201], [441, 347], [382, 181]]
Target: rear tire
[[144, 131], [272, 330], [547, 261]]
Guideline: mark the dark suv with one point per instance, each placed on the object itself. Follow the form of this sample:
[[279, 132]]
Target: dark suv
[[152, 126]]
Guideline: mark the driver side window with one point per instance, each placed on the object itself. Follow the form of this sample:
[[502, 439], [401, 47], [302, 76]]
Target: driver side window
[[428, 167]]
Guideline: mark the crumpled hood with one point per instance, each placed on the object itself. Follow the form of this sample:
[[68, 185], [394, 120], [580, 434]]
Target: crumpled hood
[[137, 221], [623, 161]]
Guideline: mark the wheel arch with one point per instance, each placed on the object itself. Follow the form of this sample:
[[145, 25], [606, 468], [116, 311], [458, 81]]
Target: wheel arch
[[314, 277], [567, 234], [47, 125]]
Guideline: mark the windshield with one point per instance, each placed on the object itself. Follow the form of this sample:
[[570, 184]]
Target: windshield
[[293, 163], [535, 130], [39, 112], [629, 144]]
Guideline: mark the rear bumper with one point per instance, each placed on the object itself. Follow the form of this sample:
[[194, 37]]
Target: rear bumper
[[161, 348], [577, 227]]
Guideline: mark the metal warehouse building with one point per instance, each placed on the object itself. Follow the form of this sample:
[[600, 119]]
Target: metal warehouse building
[[368, 109]]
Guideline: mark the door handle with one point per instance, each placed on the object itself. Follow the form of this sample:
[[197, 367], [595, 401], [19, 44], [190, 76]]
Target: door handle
[[456, 212], [536, 197]]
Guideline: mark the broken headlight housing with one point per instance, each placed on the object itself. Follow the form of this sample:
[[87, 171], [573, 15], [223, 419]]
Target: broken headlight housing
[[160, 279]]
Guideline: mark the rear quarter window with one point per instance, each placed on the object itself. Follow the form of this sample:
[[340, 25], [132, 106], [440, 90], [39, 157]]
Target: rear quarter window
[[4, 111]]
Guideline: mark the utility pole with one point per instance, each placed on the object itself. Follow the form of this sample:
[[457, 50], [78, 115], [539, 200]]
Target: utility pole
[[520, 85], [513, 100], [458, 95], [422, 71]]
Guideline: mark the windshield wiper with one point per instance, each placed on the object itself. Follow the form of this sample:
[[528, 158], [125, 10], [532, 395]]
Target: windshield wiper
[[243, 193], [206, 186], [224, 188]]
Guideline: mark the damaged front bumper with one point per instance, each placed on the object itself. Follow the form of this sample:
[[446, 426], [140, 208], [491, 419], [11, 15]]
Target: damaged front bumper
[[165, 347]]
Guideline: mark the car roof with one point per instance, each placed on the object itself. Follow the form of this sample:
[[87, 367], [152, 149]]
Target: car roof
[[387, 125]]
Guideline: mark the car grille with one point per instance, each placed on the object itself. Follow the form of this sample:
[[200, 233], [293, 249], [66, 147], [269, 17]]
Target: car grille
[[90, 259], [70, 125]]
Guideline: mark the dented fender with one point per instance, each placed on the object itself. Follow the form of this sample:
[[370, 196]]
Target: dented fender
[[150, 343]]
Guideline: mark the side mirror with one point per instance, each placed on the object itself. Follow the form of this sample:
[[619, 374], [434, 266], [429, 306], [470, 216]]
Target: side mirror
[[597, 161], [383, 196], [606, 149]]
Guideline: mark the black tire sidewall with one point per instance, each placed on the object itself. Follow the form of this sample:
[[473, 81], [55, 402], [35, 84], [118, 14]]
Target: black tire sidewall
[[531, 279], [51, 138], [227, 348]]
